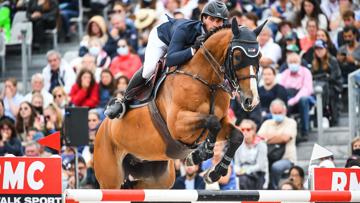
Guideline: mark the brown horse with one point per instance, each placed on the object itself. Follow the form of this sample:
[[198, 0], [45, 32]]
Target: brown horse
[[132, 146]]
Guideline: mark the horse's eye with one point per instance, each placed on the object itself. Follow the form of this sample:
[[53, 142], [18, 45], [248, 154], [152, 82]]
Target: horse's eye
[[238, 57]]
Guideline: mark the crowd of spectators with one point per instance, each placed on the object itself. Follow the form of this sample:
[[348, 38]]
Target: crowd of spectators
[[306, 43]]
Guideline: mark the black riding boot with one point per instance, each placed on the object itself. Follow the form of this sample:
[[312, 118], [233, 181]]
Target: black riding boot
[[118, 107]]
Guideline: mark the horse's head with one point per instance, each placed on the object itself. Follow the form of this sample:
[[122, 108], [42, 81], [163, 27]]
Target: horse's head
[[242, 64]]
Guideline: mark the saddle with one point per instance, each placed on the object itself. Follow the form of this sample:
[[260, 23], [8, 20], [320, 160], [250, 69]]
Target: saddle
[[146, 95], [143, 94]]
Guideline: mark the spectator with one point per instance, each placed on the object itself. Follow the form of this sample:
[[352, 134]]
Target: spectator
[[89, 62], [320, 35], [102, 60], [353, 162], [27, 119], [298, 83], [96, 28], [270, 91], [329, 7], [37, 85], [93, 123], [349, 20], [68, 9], [282, 10], [57, 73], [82, 172], [53, 119], [122, 83], [106, 87], [271, 52], [85, 92], [120, 28], [5, 19], [355, 153], [308, 41], [60, 98], [125, 63], [171, 6], [287, 185], [38, 103], [32, 149], [179, 15], [327, 74], [250, 20], [11, 97], [251, 163], [310, 9], [197, 11], [290, 49], [191, 180], [355, 146], [327, 162], [43, 15], [2, 112], [349, 54], [227, 182], [9, 142], [297, 176], [280, 130]]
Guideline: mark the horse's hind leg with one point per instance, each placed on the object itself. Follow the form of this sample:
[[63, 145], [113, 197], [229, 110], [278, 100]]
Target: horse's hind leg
[[164, 180], [234, 141], [205, 150], [107, 161]]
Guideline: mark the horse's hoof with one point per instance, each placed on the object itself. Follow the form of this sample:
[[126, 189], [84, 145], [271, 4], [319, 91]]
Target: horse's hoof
[[211, 176]]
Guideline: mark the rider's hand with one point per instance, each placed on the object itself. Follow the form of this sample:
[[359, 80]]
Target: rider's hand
[[199, 40]]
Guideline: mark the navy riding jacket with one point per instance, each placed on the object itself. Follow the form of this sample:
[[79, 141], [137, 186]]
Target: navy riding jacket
[[179, 35]]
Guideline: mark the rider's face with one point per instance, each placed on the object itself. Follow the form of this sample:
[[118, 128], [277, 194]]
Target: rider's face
[[212, 22]]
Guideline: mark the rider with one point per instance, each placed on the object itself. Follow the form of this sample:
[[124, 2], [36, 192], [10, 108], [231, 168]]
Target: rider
[[180, 39]]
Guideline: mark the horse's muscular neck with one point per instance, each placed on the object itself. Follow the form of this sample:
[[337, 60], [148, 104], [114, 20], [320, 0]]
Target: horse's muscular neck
[[217, 45]]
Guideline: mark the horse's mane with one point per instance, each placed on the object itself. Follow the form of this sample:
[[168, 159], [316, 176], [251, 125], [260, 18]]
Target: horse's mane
[[215, 30]]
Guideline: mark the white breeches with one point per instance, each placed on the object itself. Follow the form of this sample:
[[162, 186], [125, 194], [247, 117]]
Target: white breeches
[[155, 50]]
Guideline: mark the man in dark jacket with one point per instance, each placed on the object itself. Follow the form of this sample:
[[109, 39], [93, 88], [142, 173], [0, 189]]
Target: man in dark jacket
[[191, 180], [179, 39]]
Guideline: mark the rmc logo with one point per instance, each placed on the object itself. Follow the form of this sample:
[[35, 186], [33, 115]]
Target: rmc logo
[[14, 178]]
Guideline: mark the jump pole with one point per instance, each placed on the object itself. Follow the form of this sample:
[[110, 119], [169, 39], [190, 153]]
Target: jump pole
[[88, 195]]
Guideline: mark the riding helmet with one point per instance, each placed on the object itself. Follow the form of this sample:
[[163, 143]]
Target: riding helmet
[[216, 9]]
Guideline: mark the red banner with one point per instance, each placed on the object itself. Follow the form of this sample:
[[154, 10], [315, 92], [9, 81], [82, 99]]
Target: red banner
[[25, 175], [336, 179]]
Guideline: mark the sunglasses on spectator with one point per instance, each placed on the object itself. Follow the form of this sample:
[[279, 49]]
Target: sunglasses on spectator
[[246, 129], [92, 120]]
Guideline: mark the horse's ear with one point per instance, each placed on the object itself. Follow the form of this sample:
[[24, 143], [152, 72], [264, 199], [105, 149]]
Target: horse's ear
[[258, 29], [235, 28]]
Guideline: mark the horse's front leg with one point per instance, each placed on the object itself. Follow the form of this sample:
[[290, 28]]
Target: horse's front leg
[[234, 141], [205, 150]]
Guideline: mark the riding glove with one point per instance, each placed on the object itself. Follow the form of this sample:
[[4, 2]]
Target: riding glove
[[199, 40]]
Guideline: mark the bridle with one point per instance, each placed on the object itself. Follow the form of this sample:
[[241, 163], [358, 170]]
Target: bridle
[[228, 69], [225, 72]]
